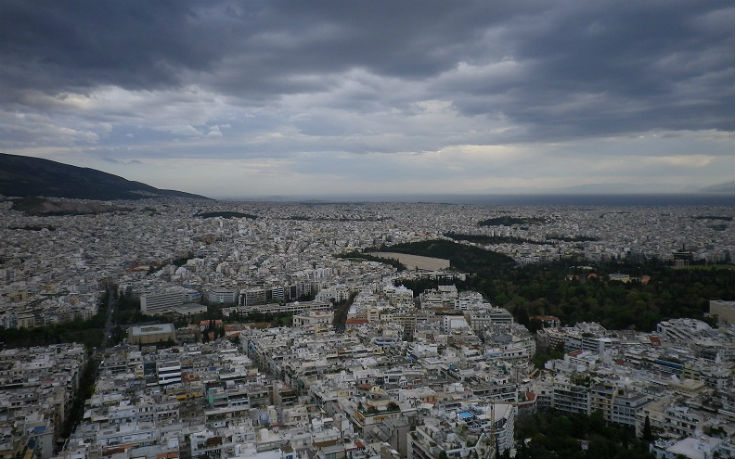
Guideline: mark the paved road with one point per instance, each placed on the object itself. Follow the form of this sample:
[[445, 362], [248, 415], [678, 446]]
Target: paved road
[[109, 322]]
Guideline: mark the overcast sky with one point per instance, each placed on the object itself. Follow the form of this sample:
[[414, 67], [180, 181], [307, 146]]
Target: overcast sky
[[229, 99]]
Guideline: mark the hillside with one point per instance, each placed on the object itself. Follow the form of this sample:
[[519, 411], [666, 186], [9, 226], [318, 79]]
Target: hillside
[[26, 176]]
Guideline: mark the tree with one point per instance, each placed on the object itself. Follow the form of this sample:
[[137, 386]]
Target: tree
[[647, 434], [522, 316]]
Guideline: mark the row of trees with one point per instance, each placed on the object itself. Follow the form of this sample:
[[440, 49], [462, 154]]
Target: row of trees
[[67, 332], [283, 319], [83, 392], [88, 332], [341, 309]]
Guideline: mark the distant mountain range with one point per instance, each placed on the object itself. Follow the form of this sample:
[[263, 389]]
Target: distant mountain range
[[26, 176]]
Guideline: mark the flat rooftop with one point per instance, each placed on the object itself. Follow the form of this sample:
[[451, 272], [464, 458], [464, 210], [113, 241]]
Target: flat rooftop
[[151, 329]]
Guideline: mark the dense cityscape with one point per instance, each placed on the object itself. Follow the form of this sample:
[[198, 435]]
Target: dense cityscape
[[179, 328], [367, 229]]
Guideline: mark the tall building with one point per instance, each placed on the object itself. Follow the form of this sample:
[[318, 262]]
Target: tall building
[[159, 303]]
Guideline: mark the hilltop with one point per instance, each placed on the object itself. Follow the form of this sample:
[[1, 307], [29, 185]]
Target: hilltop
[[25, 176]]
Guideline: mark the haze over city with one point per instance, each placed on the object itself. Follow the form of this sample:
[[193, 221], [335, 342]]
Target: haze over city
[[229, 99]]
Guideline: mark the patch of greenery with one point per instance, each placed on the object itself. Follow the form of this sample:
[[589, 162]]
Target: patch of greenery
[[68, 332], [28, 203], [575, 436], [84, 391], [575, 238], [559, 289], [33, 227], [341, 308], [713, 217], [507, 220], [543, 356], [181, 261], [225, 214], [337, 219], [462, 257], [128, 311], [216, 331], [485, 239], [546, 289], [284, 319], [706, 267]]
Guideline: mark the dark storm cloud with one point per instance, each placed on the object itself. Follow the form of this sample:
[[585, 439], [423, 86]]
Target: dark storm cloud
[[77, 45], [140, 44], [581, 68], [640, 65]]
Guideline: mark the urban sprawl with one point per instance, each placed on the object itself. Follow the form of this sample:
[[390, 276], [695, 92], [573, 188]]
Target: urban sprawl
[[363, 367]]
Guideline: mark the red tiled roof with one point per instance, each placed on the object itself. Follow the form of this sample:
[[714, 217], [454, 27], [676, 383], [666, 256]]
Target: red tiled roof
[[354, 320]]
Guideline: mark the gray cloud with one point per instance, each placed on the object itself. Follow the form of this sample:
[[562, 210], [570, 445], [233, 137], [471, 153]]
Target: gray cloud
[[571, 81], [584, 69], [620, 68]]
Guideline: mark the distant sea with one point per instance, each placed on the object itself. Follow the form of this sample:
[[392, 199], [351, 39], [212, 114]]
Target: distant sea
[[694, 199], [597, 199]]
